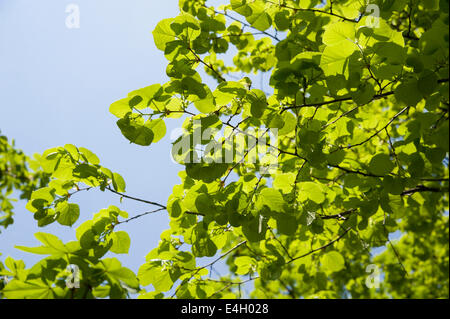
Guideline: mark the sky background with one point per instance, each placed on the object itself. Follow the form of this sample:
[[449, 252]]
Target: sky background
[[56, 85]]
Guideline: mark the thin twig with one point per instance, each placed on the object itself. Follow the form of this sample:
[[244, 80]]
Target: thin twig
[[322, 247], [140, 215], [135, 198]]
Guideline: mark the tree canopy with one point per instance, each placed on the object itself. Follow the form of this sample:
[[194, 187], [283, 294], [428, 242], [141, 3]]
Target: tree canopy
[[293, 185]]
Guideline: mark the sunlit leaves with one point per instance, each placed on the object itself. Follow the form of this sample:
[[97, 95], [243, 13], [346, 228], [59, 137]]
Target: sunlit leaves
[[258, 102], [339, 33], [120, 108], [118, 182], [163, 33], [364, 94], [206, 172], [68, 213], [52, 245], [33, 289], [408, 92], [272, 198], [155, 273], [312, 191], [121, 242], [118, 274], [332, 262], [259, 18], [335, 58], [141, 132], [245, 265], [183, 27], [359, 106]]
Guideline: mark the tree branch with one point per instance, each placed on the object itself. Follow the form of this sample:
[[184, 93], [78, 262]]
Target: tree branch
[[348, 98], [422, 188], [140, 215], [135, 198], [243, 23], [340, 215], [209, 66], [378, 131], [322, 247], [208, 265], [330, 13]]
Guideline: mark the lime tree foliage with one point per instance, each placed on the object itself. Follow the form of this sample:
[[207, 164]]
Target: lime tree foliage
[[17, 173], [359, 99]]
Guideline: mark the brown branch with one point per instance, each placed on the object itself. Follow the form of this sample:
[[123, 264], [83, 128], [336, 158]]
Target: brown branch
[[341, 116], [135, 198], [400, 168], [241, 22], [322, 247], [209, 66], [209, 265], [340, 215], [377, 132], [138, 216], [281, 244], [330, 13], [422, 188], [233, 284], [343, 99], [347, 170]]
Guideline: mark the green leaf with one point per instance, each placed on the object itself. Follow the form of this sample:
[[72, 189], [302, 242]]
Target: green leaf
[[204, 247], [154, 273], [120, 108], [227, 91], [206, 172], [68, 213], [118, 182], [364, 94], [163, 33], [241, 7], [245, 265], [255, 229], [408, 92], [31, 289], [257, 99], [121, 242], [40, 198], [89, 156], [116, 272], [205, 204], [339, 33], [52, 245], [332, 262], [272, 198], [381, 164], [427, 83], [287, 224], [281, 20], [158, 128], [334, 59], [259, 18], [393, 185], [312, 191], [136, 130], [186, 27]]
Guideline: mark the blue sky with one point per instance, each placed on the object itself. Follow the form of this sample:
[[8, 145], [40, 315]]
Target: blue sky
[[56, 85]]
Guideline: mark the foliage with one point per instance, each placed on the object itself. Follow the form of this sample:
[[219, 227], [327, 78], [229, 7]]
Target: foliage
[[361, 108], [15, 174]]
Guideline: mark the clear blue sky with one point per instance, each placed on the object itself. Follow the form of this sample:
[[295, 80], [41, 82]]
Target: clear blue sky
[[56, 85]]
